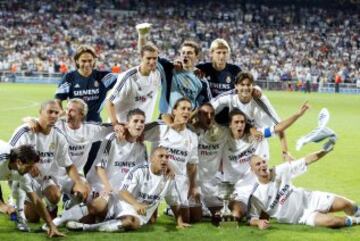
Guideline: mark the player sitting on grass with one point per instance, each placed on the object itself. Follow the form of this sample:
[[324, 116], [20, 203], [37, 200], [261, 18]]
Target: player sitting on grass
[[143, 189], [277, 197]]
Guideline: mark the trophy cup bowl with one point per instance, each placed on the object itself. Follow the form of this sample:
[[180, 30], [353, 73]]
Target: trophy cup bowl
[[225, 193]]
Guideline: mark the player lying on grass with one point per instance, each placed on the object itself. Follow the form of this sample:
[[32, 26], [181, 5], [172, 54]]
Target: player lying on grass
[[276, 196], [15, 165], [140, 195]]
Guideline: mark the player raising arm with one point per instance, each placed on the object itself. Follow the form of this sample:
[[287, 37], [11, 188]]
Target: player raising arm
[[276, 196]]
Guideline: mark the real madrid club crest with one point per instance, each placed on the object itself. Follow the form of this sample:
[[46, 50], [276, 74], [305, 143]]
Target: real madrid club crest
[[96, 84], [228, 80], [52, 146]]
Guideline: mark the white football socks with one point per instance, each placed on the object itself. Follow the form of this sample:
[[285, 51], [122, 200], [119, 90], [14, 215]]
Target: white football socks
[[108, 226], [73, 214]]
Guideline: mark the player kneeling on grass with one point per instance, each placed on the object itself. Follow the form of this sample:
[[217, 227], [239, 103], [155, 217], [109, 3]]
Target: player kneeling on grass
[[143, 189], [55, 163], [276, 196], [15, 165]]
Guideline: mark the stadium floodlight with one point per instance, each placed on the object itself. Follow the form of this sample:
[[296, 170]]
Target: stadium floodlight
[[320, 133]]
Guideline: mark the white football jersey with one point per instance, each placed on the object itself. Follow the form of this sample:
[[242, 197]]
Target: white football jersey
[[182, 146], [279, 198], [146, 187], [237, 155], [251, 109], [134, 90], [116, 158], [53, 148], [210, 148], [81, 139]]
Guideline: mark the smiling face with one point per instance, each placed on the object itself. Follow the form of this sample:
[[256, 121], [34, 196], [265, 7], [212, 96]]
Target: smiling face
[[237, 126], [182, 111], [136, 125], [259, 166], [74, 113], [85, 64], [244, 90]]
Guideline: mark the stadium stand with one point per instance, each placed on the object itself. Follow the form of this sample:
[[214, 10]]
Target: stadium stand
[[275, 42]]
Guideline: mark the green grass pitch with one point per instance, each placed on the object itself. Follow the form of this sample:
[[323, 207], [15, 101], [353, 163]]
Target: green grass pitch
[[339, 172]]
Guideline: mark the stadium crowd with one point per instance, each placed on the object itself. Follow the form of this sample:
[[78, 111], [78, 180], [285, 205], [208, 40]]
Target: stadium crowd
[[278, 42]]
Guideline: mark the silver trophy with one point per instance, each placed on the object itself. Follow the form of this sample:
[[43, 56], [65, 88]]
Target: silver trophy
[[225, 193]]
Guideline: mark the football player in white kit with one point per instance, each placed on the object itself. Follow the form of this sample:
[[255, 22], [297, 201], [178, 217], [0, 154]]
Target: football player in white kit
[[182, 145], [16, 165], [280, 199], [140, 195], [237, 153], [139, 87], [80, 136], [53, 148], [113, 162], [259, 111], [116, 157], [212, 139]]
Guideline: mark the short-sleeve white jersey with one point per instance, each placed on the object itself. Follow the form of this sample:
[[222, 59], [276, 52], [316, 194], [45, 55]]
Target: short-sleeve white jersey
[[252, 110], [81, 139], [53, 148], [237, 155], [134, 90], [145, 186], [117, 158], [182, 146], [210, 149], [279, 198]]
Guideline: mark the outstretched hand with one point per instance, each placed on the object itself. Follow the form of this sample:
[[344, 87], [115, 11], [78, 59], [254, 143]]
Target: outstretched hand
[[304, 108]]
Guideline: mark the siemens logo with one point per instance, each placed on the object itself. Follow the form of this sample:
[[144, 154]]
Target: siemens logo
[[86, 92]]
